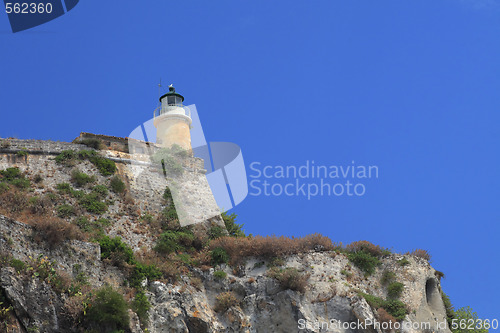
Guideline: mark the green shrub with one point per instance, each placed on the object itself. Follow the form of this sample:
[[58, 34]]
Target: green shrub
[[18, 265], [64, 188], [92, 203], [290, 278], [173, 241], [100, 190], [82, 278], [141, 306], [170, 213], [450, 311], [67, 189], [387, 277], [394, 307], [84, 224], [216, 232], [167, 195], [117, 185], [220, 275], [65, 156], [65, 211], [14, 177], [168, 217], [21, 183], [109, 311], [22, 153], [80, 178], [86, 154], [364, 261], [105, 166], [146, 217], [141, 272], [4, 187], [10, 174], [374, 301], [219, 256], [395, 289], [404, 262], [232, 227], [185, 258], [115, 249], [77, 194]]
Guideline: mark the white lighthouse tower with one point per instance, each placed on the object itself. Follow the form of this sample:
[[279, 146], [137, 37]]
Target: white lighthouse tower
[[173, 121]]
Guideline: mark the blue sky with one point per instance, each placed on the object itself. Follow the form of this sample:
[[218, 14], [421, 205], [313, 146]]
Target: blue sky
[[409, 86]]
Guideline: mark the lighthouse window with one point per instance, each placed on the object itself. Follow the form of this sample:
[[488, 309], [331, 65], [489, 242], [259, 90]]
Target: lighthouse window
[[171, 100]]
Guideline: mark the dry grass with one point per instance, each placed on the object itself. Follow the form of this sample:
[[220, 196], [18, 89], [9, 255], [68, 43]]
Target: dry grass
[[196, 283], [270, 246], [13, 202], [225, 301], [366, 246], [424, 254], [55, 231], [385, 317], [38, 213], [290, 278]]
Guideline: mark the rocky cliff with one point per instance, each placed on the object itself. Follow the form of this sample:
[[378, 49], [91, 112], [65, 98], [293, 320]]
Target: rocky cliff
[[85, 246]]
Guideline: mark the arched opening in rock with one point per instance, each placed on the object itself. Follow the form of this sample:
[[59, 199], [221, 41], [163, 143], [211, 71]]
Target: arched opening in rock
[[432, 294]]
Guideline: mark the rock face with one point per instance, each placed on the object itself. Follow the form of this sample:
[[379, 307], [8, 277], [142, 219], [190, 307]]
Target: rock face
[[35, 303], [330, 302], [334, 299]]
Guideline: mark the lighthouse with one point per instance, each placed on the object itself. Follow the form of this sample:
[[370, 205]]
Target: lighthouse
[[173, 121]]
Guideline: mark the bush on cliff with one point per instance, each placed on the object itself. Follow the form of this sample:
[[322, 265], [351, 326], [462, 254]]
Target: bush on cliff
[[174, 241], [394, 307], [14, 177], [92, 203], [289, 278], [117, 185], [108, 311], [141, 306], [116, 250], [232, 227], [365, 255], [69, 157], [224, 301], [81, 178]]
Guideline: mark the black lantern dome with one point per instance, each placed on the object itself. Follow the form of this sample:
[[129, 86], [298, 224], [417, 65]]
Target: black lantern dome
[[172, 98]]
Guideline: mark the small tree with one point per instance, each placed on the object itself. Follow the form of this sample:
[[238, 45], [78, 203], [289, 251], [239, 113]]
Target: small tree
[[467, 321]]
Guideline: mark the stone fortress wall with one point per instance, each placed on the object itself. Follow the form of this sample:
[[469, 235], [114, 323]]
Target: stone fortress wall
[[192, 194]]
